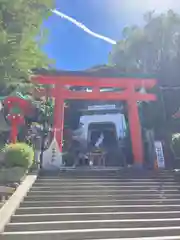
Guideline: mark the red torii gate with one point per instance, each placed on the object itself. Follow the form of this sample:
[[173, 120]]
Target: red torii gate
[[60, 92]]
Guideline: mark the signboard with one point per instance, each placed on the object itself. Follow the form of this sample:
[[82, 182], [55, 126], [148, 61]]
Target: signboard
[[159, 154], [102, 107]]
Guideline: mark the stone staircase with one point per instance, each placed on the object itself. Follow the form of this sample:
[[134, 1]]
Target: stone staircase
[[106, 205]]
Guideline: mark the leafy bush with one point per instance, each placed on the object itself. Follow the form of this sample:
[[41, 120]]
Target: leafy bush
[[18, 155], [176, 144]]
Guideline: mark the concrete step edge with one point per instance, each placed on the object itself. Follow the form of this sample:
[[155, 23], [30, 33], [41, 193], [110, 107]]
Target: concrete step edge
[[109, 190], [94, 230], [104, 200], [97, 213], [104, 206], [35, 188], [97, 221]]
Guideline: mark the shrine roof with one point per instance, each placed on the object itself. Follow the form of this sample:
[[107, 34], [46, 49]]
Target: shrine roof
[[98, 71]]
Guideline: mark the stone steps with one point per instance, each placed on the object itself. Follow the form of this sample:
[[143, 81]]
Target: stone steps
[[94, 202], [94, 216], [103, 196], [102, 233], [99, 205], [91, 224], [102, 188]]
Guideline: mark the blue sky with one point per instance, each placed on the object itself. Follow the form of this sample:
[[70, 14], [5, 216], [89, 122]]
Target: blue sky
[[73, 49]]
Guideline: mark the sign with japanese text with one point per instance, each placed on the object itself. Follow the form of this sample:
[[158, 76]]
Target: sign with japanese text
[[159, 154]]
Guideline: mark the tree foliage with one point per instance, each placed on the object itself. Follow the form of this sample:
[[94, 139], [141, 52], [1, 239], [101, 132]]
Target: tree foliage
[[154, 49], [21, 37]]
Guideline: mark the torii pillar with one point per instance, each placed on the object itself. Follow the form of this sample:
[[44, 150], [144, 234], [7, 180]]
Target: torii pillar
[[59, 115], [135, 129]]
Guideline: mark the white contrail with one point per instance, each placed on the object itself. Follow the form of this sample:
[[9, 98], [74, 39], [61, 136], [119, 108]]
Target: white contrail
[[83, 27]]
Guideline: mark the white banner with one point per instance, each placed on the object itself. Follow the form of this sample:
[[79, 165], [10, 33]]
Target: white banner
[[52, 157], [159, 154]]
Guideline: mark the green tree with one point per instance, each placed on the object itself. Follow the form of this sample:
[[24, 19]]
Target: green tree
[[153, 49], [21, 37]]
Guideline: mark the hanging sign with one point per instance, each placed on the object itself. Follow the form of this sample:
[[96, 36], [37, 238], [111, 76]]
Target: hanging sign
[[102, 107], [159, 154]]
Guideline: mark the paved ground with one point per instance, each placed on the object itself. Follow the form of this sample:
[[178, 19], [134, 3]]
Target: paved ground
[[99, 205]]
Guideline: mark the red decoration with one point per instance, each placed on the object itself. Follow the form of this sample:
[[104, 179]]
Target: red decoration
[[61, 93], [14, 101], [16, 120]]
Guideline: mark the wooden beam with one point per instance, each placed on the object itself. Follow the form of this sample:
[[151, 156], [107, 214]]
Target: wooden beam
[[107, 96], [94, 81], [125, 95], [145, 97]]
